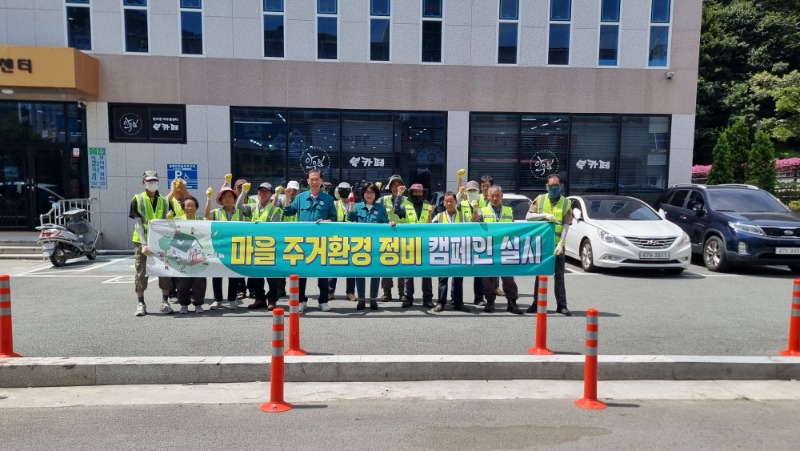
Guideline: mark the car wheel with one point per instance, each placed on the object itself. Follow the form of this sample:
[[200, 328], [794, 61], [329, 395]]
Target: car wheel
[[673, 271], [58, 258], [714, 254], [587, 257], [92, 254]]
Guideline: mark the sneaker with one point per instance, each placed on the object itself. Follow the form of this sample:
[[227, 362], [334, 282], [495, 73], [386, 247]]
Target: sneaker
[[351, 297], [373, 304], [438, 308], [165, 308], [564, 311], [240, 295], [479, 302], [141, 309], [325, 307], [360, 305], [407, 302], [303, 306], [427, 303], [173, 299], [233, 305], [214, 305], [499, 292], [184, 309], [198, 309]]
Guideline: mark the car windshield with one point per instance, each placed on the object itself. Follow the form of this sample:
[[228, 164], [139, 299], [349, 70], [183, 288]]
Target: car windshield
[[519, 207], [620, 210], [744, 200]]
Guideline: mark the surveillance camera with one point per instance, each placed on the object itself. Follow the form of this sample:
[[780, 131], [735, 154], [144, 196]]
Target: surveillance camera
[[81, 104], [669, 75]]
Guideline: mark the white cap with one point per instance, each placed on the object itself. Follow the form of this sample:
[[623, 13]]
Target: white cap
[[293, 185]]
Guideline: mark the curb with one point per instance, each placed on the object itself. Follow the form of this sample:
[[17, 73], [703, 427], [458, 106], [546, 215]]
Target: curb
[[75, 371]]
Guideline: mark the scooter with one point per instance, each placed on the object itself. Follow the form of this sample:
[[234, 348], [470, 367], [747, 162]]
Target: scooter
[[77, 237]]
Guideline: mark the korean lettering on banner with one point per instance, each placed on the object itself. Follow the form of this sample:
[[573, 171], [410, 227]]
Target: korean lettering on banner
[[97, 168], [23, 64], [325, 251]]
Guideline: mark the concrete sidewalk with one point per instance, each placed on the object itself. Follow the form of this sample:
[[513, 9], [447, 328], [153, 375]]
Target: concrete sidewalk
[[44, 372]]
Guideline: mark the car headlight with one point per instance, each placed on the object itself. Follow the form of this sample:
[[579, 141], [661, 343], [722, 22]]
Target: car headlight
[[685, 240], [610, 238], [746, 228]]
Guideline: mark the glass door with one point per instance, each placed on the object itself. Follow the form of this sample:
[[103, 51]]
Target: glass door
[[15, 197]]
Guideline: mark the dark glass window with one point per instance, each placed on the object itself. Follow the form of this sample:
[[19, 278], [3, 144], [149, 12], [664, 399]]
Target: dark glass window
[[79, 28], [559, 44], [314, 143], [660, 12], [380, 7], [659, 44], [644, 151], [259, 145], [192, 4], [544, 149], [379, 40], [494, 148], [273, 35], [431, 8], [509, 9], [560, 10], [191, 32], [593, 161], [273, 6], [431, 41], [367, 146], [326, 6], [609, 11], [83, 2], [421, 149], [136, 30], [507, 43], [326, 38], [134, 2], [609, 41]]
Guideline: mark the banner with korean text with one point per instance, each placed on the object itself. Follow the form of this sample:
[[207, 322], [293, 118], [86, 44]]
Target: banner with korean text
[[330, 249]]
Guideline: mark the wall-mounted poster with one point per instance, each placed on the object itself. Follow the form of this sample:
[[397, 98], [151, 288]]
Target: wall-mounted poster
[[155, 123]]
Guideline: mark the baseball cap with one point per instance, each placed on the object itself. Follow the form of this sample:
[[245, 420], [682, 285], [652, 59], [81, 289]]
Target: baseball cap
[[150, 176], [293, 185], [472, 184], [395, 177], [265, 185], [344, 185], [417, 186]]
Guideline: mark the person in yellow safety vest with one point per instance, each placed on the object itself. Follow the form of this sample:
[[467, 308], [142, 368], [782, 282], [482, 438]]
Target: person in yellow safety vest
[[175, 197], [449, 216], [342, 195], [145, 207], [263, 210], [190, 290], [395, 208], [497, 212], [228, 212], [417, 213], [292, 189], [553, 207], [471, 204], [241, 291]]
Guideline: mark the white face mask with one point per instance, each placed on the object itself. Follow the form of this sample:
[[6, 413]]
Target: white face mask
[[473, 195], [151, 186]]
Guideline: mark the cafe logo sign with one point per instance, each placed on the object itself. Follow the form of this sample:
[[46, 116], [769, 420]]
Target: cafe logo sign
[[315, 158], [130, 124], [543, 163]]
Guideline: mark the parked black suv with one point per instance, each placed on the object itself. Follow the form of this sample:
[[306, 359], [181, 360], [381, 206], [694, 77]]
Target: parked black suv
[[734, 224]]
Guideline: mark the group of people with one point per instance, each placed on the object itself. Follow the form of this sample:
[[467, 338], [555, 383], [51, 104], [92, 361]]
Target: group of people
[[472, 202]]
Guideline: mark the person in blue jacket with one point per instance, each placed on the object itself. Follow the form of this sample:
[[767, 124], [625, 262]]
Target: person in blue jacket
[[370, 212]]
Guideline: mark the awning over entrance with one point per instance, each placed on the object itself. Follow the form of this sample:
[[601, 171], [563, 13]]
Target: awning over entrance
[[48, 67]]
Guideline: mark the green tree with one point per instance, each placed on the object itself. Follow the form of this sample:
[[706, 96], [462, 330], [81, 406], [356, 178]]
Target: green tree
[[761, 169], [740, 144], [721, 169], [785, 92]]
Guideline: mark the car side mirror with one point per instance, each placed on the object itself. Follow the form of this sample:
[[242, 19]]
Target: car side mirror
[[576, 214], [698, 210], [662, 213]]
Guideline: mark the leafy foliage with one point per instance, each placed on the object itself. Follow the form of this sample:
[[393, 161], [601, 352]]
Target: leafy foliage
[[761, 168], [722, 170], [785, 91]]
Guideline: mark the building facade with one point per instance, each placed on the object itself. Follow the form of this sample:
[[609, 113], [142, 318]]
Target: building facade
[[600, 91]]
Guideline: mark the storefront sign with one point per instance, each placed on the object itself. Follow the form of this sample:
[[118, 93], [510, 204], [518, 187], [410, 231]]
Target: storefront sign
[[246, 249], [367, 162], [131, 122], [48, 67], [97, 168], [592, 164], [188, 172], [543, 163]]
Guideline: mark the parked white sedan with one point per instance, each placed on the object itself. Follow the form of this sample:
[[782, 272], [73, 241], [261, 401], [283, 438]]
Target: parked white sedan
[[624, 232]]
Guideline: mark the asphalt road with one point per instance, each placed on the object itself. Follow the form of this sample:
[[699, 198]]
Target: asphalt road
[[87, 309]]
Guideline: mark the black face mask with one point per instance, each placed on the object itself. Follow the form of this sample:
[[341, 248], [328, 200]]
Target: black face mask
[[417, 200], [344, 193]]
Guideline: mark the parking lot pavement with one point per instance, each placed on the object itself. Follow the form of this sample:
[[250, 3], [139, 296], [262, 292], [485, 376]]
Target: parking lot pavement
[[87, 309]]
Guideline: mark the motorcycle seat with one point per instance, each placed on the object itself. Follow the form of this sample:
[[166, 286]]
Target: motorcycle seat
[[78, 228]]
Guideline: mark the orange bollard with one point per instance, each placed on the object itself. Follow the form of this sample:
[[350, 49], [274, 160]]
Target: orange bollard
[[589, 400], [6, 332], [294, 317], [276, 369], [793, 350], [540, 347]]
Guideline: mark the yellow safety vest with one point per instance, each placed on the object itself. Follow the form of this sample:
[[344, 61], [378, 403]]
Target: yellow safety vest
[[341, 213], [145, 208], [411, 214], [176, 207], [506, 214], [559, 210], [443, 217], [389, 204], [264, 215], [219, 215]]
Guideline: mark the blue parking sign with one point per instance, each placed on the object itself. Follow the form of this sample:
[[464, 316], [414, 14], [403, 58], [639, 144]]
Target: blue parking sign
[[188, 172]]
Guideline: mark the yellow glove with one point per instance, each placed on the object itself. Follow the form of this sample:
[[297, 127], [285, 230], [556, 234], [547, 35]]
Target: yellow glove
[[279, 190], [246, 187], [170, 214], [379, 184], [209, 192], [178, 182], [228, 177], [461, 173], [559, 248], [474, 204]]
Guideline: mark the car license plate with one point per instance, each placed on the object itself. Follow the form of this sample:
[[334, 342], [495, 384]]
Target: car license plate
[[787, 250], [654, 255]]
